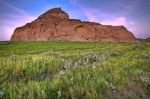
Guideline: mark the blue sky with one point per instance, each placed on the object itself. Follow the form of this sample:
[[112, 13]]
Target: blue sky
[[133, 14]]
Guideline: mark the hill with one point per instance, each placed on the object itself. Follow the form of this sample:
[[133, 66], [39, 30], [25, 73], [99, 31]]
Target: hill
[[56, 25]]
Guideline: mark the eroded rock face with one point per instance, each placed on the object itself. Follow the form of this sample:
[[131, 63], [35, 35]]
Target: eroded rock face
[[148, 39], [56, 25]]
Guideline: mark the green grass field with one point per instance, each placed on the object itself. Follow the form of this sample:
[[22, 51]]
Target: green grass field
[[74, 70]]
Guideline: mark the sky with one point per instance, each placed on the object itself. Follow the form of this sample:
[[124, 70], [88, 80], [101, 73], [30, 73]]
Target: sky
[[133, 14]]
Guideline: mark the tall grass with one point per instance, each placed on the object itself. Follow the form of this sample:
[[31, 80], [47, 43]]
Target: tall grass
[[52, 70]]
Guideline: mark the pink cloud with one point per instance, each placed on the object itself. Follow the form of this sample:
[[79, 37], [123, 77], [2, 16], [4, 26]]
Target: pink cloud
[[108, 19], [115, 22], [11, 21], [104, 18], [101, 16], [9, 26]]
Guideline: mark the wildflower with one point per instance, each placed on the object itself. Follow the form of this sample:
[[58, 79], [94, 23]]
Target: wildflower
[[145, 80], [112, 87], [14, 57], [94, 78], [76, 64], [63, 60], [62, 72], [1, 94], [84, 63], [93, 66], [59, 94], [68, 64]]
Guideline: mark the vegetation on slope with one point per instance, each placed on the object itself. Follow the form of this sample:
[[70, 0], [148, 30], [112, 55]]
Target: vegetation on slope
[[76, 70]]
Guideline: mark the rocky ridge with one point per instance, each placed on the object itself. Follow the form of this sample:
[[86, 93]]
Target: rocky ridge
[[56, 25]]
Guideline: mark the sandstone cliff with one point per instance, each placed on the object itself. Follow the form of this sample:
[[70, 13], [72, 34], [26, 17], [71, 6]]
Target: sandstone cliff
[[56, 25]]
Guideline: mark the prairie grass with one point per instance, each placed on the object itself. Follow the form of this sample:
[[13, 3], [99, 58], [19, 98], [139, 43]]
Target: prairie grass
[[74, 70]]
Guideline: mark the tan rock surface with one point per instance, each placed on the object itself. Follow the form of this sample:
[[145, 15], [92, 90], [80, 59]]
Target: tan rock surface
[[56, 25]]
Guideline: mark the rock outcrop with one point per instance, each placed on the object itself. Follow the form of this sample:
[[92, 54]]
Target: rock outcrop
[[56, 25], [147, 39]]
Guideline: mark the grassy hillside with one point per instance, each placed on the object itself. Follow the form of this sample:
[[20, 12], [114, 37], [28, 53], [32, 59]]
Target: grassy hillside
[[74, 70]]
